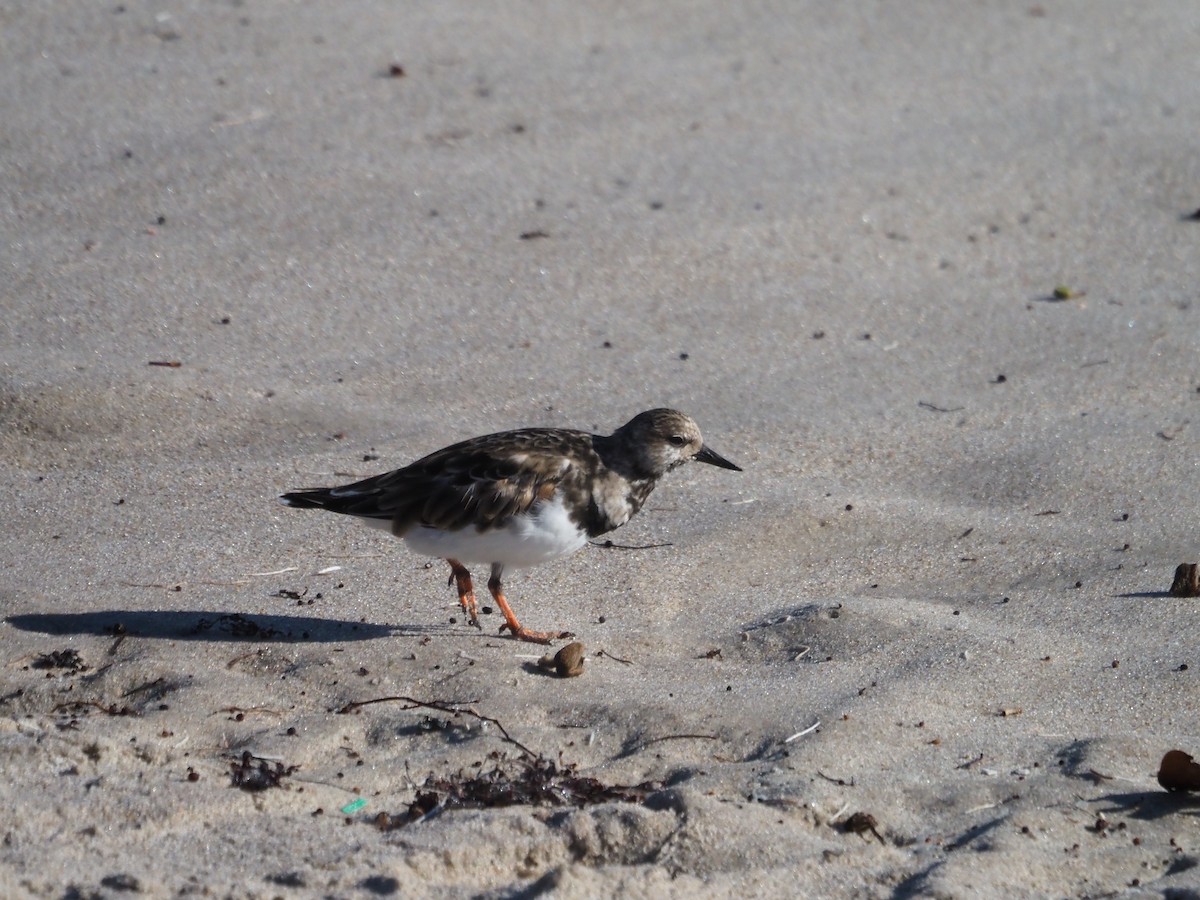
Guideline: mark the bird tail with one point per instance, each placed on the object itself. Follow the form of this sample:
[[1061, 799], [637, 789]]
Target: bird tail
[[318, 498], [349, 500]]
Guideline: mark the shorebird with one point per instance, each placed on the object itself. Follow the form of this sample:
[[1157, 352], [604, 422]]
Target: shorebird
[[519, 498]]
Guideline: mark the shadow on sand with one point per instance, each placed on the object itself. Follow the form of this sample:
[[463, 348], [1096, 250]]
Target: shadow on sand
[[211, 625]]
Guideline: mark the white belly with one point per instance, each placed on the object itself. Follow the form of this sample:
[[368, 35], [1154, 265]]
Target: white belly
[[546, 534]]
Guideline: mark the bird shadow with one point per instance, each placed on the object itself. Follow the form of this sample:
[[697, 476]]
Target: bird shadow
[[1150, 805], [211, 625]]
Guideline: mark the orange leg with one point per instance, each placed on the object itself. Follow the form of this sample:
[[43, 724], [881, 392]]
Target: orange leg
[[518, 631], [466, 590]]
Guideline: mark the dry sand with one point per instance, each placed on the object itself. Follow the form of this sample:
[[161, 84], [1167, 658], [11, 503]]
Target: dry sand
[[962, 497]]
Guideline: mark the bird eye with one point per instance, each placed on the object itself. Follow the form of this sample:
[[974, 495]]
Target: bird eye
[[677, 440]]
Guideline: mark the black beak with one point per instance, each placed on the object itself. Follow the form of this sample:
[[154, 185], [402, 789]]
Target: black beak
[[714, 459]]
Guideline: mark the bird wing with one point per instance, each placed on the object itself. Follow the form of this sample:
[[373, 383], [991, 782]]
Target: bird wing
[[483, 482]]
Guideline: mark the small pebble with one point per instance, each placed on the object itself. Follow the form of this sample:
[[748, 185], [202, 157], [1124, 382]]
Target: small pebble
[[567, 662]]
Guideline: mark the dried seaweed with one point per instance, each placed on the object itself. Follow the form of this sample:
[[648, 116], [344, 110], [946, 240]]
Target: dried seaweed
[[60, 659], [528, 780], [441, 706], [523, 782], [253, 773], [78, 706], [239, 626]]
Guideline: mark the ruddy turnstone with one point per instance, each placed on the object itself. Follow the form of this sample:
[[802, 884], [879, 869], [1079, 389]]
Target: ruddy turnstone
[[519, 498]]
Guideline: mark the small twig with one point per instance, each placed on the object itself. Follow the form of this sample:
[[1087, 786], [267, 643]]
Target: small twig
[[842, 782], [247, 709], [941, 409], [628, 662], [609, 545], [455, 673], [276, 572], [93, 676], [441, 707], [995, 805], [975, 809], [970, 762], [809, 730], [144, 687], [112, 709], [679, 737], [254, 116]]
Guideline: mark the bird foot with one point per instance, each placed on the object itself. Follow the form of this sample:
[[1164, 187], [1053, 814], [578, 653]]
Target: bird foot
[[521, 633], [466, 591]]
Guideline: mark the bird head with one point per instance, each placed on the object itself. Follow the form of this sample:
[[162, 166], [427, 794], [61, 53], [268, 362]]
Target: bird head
[[664, 439]]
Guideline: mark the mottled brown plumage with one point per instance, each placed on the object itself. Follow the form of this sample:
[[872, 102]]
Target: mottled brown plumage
[[520, 497]]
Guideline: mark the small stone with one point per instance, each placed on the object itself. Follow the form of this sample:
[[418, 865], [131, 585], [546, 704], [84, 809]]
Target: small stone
[[567, 662], [1187, 581]]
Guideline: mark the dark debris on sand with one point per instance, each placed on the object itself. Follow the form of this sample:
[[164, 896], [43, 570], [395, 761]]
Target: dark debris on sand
[[253, 773], [239, 626], [522, 782], [60, 659]]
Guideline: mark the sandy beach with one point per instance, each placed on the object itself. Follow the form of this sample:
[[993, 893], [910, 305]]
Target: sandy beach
[[927, 272]]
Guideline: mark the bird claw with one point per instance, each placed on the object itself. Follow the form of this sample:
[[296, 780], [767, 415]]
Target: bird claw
[[535, 637]]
